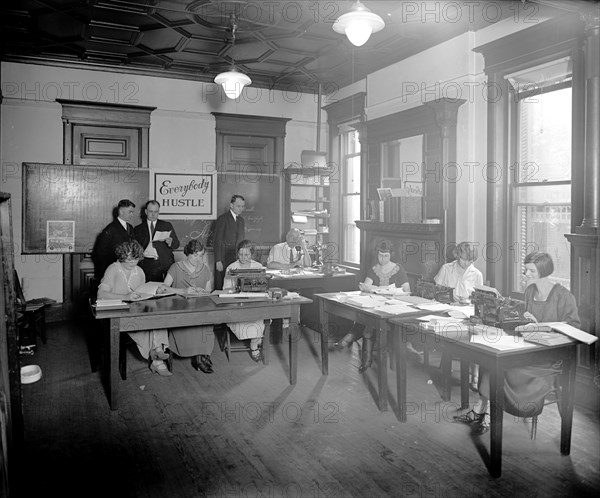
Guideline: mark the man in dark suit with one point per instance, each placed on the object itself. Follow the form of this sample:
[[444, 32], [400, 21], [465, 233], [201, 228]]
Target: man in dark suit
[[158, 255], [230, 230], [120, 230]]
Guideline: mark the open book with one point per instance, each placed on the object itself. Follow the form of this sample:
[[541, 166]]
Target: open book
[[535, 332], [149, 291]]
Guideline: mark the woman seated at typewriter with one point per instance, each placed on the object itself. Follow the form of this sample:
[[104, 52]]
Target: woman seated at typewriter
[[383, 274], [192, 277], [462, 276], [118, 282], [525, 388], [246, 330]]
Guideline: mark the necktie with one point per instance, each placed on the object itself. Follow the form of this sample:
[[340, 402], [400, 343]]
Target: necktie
[[129, 230], [291, 254], [153, 229]]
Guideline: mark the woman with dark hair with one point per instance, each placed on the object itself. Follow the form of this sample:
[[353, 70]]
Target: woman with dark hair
[[191, 277], [525, 388], [384, 273], [119, 281], [246, 330]]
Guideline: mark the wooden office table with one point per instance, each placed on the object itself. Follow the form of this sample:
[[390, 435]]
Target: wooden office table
[[310, 283], [177, 311], [496, 362], [329, 306]]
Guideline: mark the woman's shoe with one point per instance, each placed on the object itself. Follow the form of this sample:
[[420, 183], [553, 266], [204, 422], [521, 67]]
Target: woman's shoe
[[365, 365], [160, 368], [346, 342], [469, 417], [202, 362], [256, 355], [482, 425]]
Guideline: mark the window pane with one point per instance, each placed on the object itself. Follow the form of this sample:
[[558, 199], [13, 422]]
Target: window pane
[[545, 137], [352, 176], [551, 194], [351, 233]]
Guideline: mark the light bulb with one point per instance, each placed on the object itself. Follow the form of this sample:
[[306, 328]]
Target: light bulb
[[358, 32]]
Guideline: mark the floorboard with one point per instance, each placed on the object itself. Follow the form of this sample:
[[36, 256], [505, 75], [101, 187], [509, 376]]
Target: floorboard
[[244, 431]]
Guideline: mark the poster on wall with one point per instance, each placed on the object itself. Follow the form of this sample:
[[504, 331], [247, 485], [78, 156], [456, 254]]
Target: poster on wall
[[60, 235], [185, 195]]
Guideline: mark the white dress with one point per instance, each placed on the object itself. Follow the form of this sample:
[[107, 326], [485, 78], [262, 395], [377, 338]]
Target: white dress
[[243, 330], [462, 281]]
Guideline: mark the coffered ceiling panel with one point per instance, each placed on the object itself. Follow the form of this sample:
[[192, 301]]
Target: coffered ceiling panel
[[280, 45]]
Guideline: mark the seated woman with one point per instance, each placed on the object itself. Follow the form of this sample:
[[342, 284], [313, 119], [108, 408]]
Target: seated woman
[[192, 277], [526, 387], [462, 276], [384, 273], [246, 330], [119, 281]]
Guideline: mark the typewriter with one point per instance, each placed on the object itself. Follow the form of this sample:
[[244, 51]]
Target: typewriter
[[251, 279], [493, 309], [431, 290]]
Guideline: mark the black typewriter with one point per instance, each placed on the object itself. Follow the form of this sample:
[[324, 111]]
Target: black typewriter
[[493, 309], [251, 279], [431, 290]]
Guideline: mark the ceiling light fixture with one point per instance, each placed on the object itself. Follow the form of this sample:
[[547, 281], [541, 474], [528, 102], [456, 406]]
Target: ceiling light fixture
[[358, 24], [232, 81]]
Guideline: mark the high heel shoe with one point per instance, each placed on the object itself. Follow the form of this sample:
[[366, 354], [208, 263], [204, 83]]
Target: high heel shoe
[[159, 354], [160, 368], [365, 365], [346, 342], [202, 362]]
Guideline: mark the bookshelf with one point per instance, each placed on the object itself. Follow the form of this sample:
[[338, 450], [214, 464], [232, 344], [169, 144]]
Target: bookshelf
[[308, 202]]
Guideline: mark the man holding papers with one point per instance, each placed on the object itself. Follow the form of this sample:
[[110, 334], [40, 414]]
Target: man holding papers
[[159, 240]]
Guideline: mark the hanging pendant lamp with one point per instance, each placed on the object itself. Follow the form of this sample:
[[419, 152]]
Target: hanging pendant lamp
[[232, 81], [358, 24]]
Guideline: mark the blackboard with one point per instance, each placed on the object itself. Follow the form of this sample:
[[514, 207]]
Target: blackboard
[[87, 195], [263, 215]]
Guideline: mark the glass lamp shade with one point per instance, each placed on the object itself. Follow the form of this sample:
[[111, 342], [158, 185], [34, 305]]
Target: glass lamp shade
[[233, 82], [359, 24]]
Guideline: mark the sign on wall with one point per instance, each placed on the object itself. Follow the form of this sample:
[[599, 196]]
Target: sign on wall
[[185, 195]]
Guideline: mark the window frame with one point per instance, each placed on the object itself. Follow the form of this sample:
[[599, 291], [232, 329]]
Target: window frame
[[345, 130]]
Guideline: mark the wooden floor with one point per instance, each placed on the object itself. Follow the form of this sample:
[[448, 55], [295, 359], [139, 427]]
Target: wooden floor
[[244, 431]]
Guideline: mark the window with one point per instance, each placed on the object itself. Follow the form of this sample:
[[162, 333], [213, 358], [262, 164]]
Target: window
[[350, 177], [541, 183]]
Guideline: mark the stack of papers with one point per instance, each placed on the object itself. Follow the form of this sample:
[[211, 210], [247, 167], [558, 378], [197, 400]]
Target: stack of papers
[[110, 304], [395, 309], [502, 343], [366, 301], [562, 327]]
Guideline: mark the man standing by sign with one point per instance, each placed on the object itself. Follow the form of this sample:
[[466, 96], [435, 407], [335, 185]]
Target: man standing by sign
[[120, 230], [159, 240], [230, 229]]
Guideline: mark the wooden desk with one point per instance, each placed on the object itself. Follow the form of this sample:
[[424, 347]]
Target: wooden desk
[[329, 306], [496, 362], [311, 283], [177, 311]]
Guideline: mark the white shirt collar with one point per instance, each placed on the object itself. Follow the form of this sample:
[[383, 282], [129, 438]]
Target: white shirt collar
[[234, 215], [122, 222]]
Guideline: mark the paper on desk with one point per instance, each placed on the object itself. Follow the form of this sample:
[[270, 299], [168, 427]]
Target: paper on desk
[[466, 311], [501, 342], [433, 306], [395, 309], [436, 318], [370, 301], [569, 330]]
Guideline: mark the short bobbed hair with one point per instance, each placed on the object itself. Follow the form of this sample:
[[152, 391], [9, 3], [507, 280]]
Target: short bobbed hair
[[246, 244], [129, 250], [466, 251], [542, 261], [384, 246], [193, 246]]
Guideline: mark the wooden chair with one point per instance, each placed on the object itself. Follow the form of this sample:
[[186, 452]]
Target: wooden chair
[[33, 314], [551, 398], [223, 334]]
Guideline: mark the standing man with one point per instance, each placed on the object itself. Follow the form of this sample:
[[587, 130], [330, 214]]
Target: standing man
[[158, 255], [230, 229], [120, 230]]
